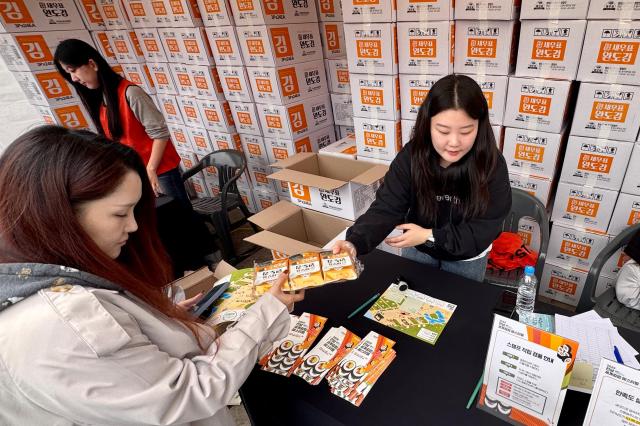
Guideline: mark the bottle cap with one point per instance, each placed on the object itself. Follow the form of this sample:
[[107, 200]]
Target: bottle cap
[[529, 270]]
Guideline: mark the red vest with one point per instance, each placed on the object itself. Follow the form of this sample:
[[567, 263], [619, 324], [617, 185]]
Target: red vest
[[134, 135]]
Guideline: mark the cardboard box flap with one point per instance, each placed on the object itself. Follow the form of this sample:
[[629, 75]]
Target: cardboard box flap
[[307, 179], [274, 214], [372, 175], [223, 269], [280, 243], [293, 160]]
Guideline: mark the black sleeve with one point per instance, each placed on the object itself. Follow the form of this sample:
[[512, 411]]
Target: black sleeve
[[469, 238], [388, 209]]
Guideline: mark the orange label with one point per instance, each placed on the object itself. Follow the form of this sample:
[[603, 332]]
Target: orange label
[[137, 9], [615, 112], [303, 145], [162, 78], [281, 42], [374, 139], [169, 108], [422, 48], [244, 118], [482, 47], [191, 46], [326, 6], [227, 112], [583, 207], [280, 154], [551, 50], [254, 149], [563, 286], [333, 36], [190, 112], [233, 83], [273, 7], [245, 5], [136, 43], [106, 46], [343, 76], [15, 12], [158, 8], [594, 162], [531, 153], [372, 96], [176, 7], [264, 85], [574, 249], [366, 2], [200, 141], [526, 237], [35, 48], [265, 203], [260, 177], [110, 12], [418, 96], [224, 46], [618, 52], [489, 97], [173, 45], [212, 115], [297, 117], [135, 78], [179, 137], [301, 192], [223, 144], [71, 117], [211, 6], [151, 45], [201, 82], [289, 81], [255, 46], [537, 105], [184, 79], [369, 49], [634, 217], [54, 84], [274, 122], [121, 46], [92, 11]]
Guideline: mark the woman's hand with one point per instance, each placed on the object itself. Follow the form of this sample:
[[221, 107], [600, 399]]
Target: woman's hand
[[187, 304], [155, 183], [412, 236], [342, 245], [287, 298]]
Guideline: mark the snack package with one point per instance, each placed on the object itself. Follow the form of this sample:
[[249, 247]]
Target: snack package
[[288, 352], [337, 267], [305, 271], [334, 346], [267, 272]]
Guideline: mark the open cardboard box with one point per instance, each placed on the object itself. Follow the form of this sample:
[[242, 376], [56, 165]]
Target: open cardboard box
[[337, 186], [289, 229], [203, 279]]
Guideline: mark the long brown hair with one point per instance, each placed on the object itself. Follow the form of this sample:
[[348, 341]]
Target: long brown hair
[[45, 174], [468, 178]]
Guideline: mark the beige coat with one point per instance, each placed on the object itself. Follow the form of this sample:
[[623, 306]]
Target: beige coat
[[95, 356]]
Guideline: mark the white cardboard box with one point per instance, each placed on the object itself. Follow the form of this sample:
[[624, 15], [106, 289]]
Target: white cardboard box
[[606, 9], [407, 130], [73, 116], [631, 182], [529, 230], [537, 104], [254, 149], [140, 13], [344, 131], [113, 14], [487, 9], [170, 109], [498, 134], [332, 34], [172, 44], [185, 13], [200, 141], [103, 46], [380, 139], [235, 84], [344, 148], [126, 47], [180, 138], [151, 45], [376, 96], [221, 140], [626, 213], [247, 197], [163, 79], [182, 79], [589, 208], [612, 56], [195, 46], [190, 111], [296, 119], [342, 106], [277, 45], [330, 10], [609, 111], [537, 186], [265, 199], [46, 87], [417, 11], [260, 176], [224, 45], [484, 47], [18, 16], [554, 9], [550, 49], [206, 82], [139, 74], [338, 75], [279, 149], [494, 88], [562, 284], [215, 13], [368, 11], [246, 118], [593, 162], [532, 152], [574, 247], [287, 84], [216, 115], [372, 48], [426, 47], [261, 12], [90, 15], [413, 91]]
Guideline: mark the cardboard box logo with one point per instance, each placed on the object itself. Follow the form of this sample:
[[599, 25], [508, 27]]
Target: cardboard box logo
[[303, 145], [297, 117], [595, 163], [281, 42], [550, 50], [169, 108], [575, 249], [211, 6], [369, 49], [418, 96], [375, 139], [191, 46], [618, 52], [106, 46], [176, 7], [274, 122], [534, 154], [273, 7], [423, 48], [371, 96], [158, 8], [172, 44], [289, 81], [161, 77], [35, 48], [300, 192], [71, 117], [326, 6], [254, 149], [536, 105], [211, 115], [245, 5], [562, 285], [264, 85], [255, 46], [190, 112], [343, 76], [332, 35], [224, 46], [634, 217], [92, 11], [583, 207], [233, 83], [54, 85], [200, 141], [614, 112], [244, 118], [15, 12], [482, 47]]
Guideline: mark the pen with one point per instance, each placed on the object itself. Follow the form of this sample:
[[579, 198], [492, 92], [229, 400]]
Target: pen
[[361, 307], [616, 353], [475, 391]]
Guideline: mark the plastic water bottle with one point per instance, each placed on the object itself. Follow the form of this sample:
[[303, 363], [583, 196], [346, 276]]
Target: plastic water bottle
[[526, 292]]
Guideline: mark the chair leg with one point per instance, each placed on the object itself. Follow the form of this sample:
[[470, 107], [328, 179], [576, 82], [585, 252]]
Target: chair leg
[[224, 232], [245, 211]]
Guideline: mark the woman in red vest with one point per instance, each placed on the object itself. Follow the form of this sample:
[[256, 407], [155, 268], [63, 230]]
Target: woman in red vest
[[123, 112]]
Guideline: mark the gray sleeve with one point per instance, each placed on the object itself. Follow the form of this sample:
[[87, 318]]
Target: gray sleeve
[[147, 113]]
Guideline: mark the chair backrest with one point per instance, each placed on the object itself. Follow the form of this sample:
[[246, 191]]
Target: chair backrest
[[588, 296], [523, 205], [229, 163]]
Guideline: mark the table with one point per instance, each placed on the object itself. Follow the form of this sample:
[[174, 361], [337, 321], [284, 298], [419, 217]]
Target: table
[[425, 384]]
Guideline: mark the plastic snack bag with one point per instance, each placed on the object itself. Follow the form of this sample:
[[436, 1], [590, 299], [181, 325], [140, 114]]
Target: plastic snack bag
[[305, 271], [338, 267]]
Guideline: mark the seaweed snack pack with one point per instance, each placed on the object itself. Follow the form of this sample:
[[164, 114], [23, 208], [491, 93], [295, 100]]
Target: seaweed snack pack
[[332, 348], [338, 267], [288, 352], [267, 272], [305, 271], [355, 375]]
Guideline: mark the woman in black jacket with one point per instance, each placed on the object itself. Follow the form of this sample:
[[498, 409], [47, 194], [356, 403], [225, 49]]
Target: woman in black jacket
[[447, 190]]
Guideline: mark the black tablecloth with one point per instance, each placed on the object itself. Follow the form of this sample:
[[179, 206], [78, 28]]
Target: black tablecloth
[[425, 384]]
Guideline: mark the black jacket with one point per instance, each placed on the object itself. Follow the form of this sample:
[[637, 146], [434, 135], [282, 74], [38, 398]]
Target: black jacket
[[455, 239]]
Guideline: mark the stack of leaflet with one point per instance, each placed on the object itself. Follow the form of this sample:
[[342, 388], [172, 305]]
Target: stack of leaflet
[[598, 338]]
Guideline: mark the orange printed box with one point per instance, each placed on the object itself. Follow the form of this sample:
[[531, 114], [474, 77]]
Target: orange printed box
[[280, 148], [484, 47], [103, 46], [338, 75], [215, 13], [126, 46], [170, 108], [235, 84], [91, 15], [376, 96], [283, 85], [272, 12], [378, 139], [425, 47], [532, 152], [425, 10], [368, 11], [494, 89], [162, 78], [562, 283], [224, 45], [585, 207], [554, 9], [332, 35], [330, 10], [28, 15], [574, 247], [296, 119], [113, 14], [151, 45], [504, 10], [45, 87], [245, 117], [216, 115], [372, 48], [626, 213]]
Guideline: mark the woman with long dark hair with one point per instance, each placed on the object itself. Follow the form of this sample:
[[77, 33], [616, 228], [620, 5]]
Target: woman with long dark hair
[[87, 335], [123, 112], [447, 190]]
